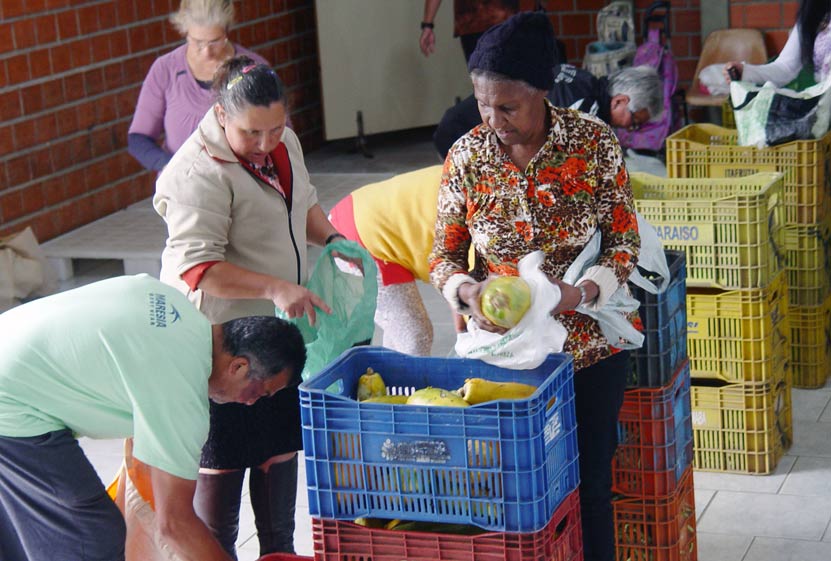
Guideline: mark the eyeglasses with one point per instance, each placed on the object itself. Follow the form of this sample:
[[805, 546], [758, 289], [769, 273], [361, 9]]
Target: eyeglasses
[[634, 125], [213, 43]]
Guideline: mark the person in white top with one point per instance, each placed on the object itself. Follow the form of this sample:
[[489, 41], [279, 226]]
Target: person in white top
[[809, 43]]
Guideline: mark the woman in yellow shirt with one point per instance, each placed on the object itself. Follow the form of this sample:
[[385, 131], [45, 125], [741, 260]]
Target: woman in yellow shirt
[[394, 220]]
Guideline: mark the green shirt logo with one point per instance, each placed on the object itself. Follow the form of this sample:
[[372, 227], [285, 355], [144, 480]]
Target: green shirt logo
[[160, 312]]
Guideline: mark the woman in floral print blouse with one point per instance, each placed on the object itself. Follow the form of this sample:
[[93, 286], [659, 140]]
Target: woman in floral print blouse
[[531, 177]]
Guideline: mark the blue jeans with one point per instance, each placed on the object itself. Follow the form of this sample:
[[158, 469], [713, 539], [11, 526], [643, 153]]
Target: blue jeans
[[598, 396], [52, 503]]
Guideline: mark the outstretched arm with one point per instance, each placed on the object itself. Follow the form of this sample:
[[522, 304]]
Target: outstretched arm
[[226, 280], [782, 70]]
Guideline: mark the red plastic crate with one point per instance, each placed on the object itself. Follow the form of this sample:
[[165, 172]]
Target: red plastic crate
[[284, 557], [660, 529], [559, 540], [655, 438]]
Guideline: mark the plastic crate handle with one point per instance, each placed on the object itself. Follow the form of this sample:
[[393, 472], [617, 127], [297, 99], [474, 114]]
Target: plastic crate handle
[[772, 223], [824, 241], [781, 387]]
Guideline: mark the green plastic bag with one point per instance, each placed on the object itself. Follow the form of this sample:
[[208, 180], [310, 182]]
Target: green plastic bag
[[351, 296]]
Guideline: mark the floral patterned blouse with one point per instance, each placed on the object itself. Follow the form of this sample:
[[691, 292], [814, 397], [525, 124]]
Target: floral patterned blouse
[[576, 184]]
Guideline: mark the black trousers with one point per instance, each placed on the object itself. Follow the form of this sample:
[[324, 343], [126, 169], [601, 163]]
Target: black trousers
[[598, 396], [52, 503]]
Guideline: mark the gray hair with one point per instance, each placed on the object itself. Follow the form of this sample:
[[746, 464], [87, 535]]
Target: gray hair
[[203, 12], [497, 77], [643, 86]]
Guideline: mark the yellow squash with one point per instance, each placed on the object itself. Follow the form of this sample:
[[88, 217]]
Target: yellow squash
[[389, 399], [479, 390], [371, 384], [436, 397], [372, 522]]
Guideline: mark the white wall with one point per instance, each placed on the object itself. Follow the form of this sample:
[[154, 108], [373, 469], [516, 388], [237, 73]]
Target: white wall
[[370, 61]]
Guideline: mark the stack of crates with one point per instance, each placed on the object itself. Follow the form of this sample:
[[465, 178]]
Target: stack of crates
[[654, 508], [708, 151], [508, 467], [733, 233]]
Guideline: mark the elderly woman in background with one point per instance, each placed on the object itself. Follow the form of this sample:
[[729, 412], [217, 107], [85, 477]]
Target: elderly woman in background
[[537, 177], [176, 93], [240, 211]]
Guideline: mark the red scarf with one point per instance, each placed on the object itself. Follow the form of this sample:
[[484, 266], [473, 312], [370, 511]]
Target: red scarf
[[282, 164]]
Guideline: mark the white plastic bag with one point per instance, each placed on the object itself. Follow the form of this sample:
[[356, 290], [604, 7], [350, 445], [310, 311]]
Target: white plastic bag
[[712, 78], [617, 329], [537, 335]]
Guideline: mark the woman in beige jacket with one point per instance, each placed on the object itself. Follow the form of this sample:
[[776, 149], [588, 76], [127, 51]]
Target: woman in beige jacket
[[240, 210]]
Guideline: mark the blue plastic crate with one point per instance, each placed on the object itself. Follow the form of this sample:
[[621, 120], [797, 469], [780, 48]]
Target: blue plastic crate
[[664, 318], [655, 438], [503, 465]]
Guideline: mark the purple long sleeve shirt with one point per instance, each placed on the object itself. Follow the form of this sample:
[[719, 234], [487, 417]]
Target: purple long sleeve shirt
[[171, 101]]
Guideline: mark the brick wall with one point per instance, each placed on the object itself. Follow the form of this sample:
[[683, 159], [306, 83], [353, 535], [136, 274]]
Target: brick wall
[[774, 17], [70, 74], [575, 22]]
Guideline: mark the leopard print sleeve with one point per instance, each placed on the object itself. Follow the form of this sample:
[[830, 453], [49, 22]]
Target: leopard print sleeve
[[452, 237], [615, 210]]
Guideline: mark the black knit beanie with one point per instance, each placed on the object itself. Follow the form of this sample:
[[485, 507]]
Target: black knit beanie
[[521, 48]]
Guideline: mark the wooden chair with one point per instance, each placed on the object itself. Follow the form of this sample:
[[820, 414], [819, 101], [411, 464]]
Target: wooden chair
[[722, 46]]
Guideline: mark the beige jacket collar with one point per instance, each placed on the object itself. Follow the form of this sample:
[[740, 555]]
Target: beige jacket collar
[[213, 138]]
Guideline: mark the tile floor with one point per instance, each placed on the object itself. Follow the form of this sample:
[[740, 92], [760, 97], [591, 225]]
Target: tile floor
[[781, 517]]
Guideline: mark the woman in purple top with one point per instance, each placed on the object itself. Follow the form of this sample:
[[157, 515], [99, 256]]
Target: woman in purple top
[[176, 93]]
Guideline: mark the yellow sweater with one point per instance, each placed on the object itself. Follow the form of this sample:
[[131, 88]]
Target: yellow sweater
[[396, 217]]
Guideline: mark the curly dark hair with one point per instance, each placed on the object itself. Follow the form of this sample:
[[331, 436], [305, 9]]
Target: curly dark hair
[[269, 343]]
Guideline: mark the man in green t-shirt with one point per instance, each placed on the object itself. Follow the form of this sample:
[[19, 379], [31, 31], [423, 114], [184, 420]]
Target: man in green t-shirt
[[124, 357]]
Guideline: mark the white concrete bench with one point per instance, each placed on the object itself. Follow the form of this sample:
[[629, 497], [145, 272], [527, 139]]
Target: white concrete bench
[[135, 236]]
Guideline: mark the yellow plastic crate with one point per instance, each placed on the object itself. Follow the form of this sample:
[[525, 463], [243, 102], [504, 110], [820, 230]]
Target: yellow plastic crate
[[728, 119], [704, 150], [810, 340], [738, 336], [741, 428], [808, 263], [732, 230]]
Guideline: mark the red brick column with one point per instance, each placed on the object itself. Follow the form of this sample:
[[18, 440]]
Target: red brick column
[[70, 74]]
